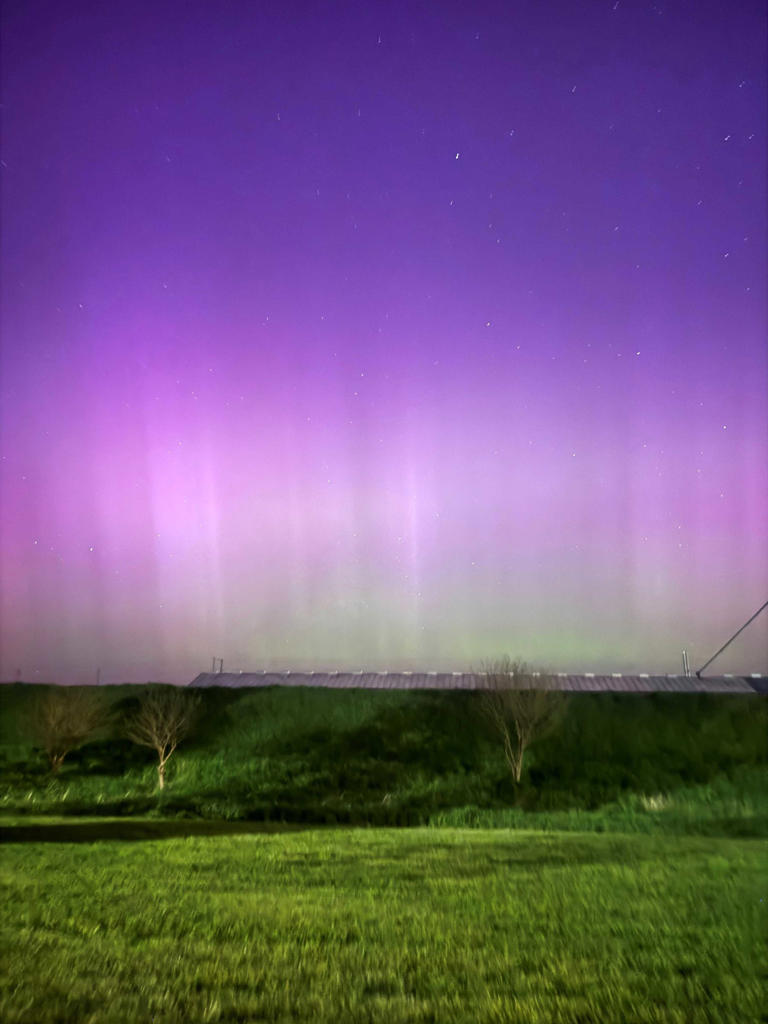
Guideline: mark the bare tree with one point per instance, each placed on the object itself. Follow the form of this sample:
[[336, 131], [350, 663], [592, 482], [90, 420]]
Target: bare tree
[[520, 706], [63, 718], [162, 720]]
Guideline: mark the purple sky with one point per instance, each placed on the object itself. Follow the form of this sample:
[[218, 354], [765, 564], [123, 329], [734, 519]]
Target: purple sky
[[382, 336]]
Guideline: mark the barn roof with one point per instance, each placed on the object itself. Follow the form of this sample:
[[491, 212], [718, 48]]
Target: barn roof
[[472, 681]]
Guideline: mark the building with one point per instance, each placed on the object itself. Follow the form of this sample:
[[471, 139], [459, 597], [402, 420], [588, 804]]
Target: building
[[586, 683]]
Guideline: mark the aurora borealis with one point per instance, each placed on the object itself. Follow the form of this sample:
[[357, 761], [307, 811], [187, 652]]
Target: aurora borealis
[[381, 335]]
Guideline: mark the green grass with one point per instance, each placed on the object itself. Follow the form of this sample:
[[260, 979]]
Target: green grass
[[381, 925], [727, 806], [641, 897]]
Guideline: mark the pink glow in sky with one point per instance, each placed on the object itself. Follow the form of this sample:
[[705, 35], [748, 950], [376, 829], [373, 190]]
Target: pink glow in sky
[[382, 336]]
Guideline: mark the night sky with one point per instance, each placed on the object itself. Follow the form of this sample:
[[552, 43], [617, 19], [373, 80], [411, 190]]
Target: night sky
[[383, 336]]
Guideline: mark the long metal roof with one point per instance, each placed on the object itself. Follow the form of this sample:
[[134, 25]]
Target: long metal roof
[[473, 681]]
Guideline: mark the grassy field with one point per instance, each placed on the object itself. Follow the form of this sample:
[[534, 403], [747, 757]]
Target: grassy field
[[382, 925], [639, 897]]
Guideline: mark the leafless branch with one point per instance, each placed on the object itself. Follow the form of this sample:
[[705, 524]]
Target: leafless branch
[[162, 720], [63, 718], [521, 706]]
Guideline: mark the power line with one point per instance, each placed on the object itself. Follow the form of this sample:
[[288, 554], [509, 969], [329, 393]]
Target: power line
[[699, 671]]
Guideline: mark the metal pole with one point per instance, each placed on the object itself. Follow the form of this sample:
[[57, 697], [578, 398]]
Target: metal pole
[[727, 642], [213, 664]]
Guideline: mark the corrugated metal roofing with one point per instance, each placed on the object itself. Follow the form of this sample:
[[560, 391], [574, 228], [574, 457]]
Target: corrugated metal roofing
[[473, 681]]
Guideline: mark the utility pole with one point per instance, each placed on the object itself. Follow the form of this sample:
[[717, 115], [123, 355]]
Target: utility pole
[[686, 666], [98, 676]]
